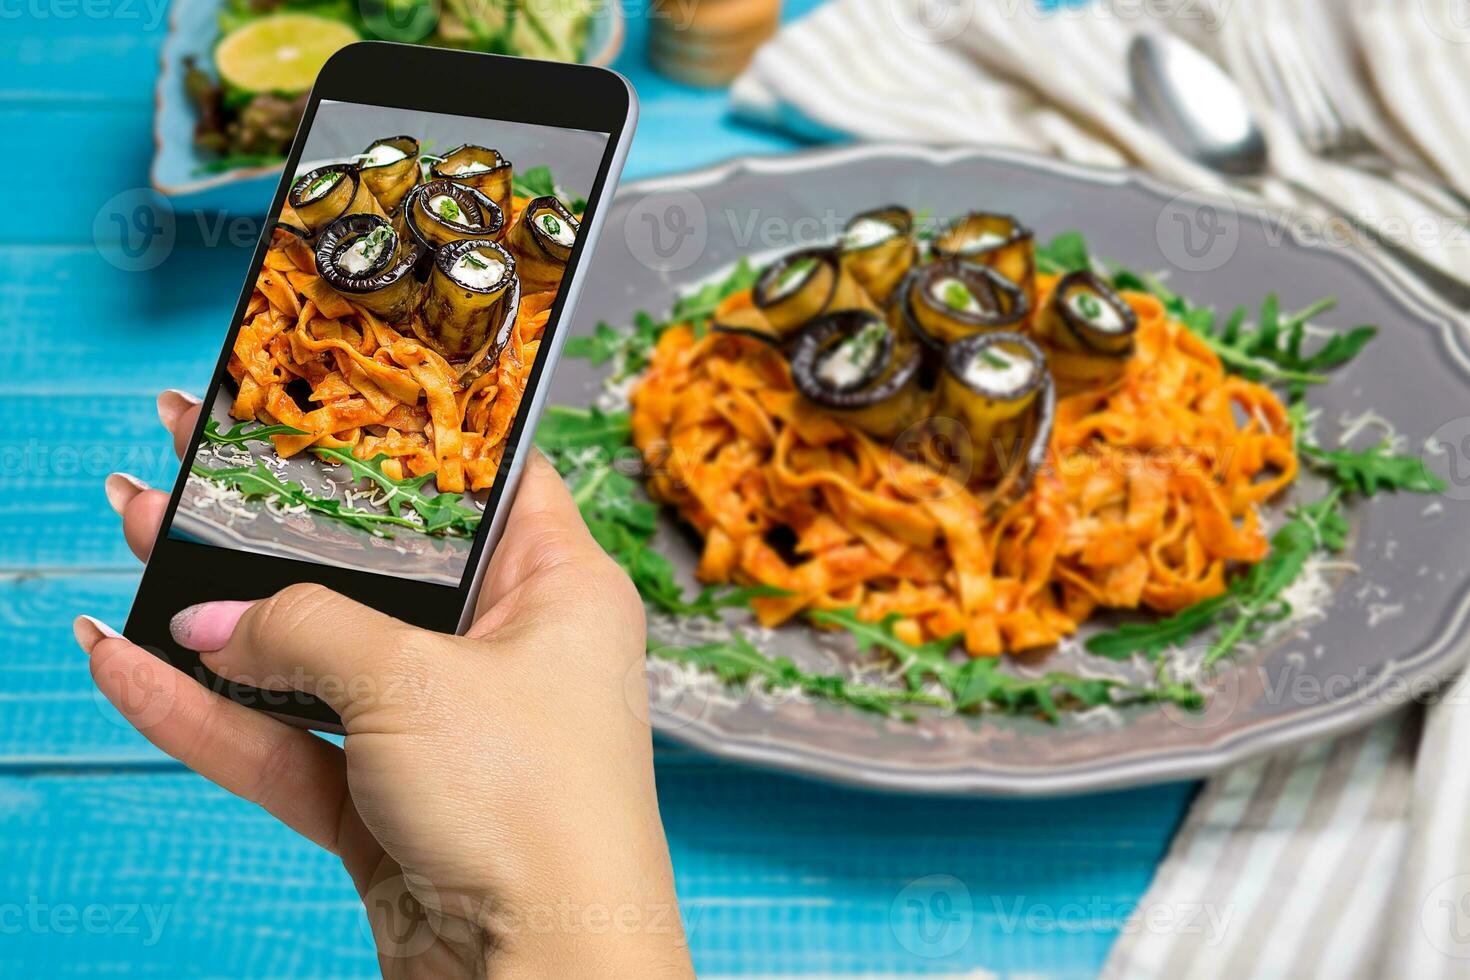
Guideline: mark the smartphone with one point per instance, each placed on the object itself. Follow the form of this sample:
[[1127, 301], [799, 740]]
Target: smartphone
[[373, 405]]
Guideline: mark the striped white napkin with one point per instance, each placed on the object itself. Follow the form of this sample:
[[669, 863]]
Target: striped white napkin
[[1350, 857], [1004, 72]]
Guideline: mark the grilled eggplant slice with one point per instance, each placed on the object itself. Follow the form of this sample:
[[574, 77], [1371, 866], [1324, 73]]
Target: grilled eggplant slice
[[390, 169], [542, 240], [327, 193], [794, 290], [997, 388], [441, 211], [1089, 329], [946, 301], [471, 281], [851, 364], [360, 257], [995, 240], [483, 169], [878, 249], [288, 218]]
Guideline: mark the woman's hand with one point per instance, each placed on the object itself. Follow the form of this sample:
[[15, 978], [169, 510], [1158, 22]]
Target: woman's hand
[[494, 798]]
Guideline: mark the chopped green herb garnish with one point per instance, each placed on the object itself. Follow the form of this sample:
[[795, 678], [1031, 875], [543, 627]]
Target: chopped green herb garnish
[[957, 295], [1089, 306], [449, 210]]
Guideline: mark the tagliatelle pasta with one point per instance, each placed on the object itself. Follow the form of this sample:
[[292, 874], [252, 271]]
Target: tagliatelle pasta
[[1149, 491], [312, 358]]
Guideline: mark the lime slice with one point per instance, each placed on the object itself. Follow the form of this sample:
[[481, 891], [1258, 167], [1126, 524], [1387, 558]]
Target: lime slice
[[280, 53]]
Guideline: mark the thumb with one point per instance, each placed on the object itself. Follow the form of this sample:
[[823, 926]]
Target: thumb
[[543, 531], [304, 638]]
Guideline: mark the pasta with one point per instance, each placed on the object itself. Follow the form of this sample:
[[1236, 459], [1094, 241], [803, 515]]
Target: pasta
[[318, 360], [1150, 490]]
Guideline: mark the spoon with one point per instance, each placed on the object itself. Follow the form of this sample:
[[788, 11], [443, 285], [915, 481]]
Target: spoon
[[1202, 113]]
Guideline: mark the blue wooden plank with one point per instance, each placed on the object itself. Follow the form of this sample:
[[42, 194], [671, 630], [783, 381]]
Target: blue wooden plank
[[77, 324], [774, 875], [57, 450], [55, 60]]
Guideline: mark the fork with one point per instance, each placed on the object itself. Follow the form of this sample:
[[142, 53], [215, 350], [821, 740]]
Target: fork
[[1316, 87]]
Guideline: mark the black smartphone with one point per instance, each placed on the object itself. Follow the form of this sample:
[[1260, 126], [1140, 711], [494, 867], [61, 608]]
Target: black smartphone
[[386, 363]]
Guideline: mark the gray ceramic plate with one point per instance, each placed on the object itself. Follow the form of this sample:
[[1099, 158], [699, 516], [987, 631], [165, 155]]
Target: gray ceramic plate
[[1391, 630]]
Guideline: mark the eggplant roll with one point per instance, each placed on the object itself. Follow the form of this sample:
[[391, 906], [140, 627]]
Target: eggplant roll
[[390, 169], [997, 387], [1089, 329], [359, 256], [542, 240], [288, 218], [946, 301], [479, 167], [327, 193], [878, 249], [792, 292], [851, 364], [468, 286], [440, 212], [996, 240]]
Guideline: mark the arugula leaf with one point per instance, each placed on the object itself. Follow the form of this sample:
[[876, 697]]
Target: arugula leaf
[[978, 683], [621, 519], [1368, 471], [631, 348], [738, 661], [443, 513], [239, 435], [1273, 351], [564, 429], [258, 482], [1154, 637], [1251, 602], [1316, 526], [696, 308], [1066, 253], [538, 182], [917, 662]]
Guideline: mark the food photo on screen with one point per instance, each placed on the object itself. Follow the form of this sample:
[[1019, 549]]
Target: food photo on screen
[[382, 358]]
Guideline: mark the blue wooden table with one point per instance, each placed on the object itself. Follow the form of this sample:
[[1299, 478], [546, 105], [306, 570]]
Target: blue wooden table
[[115, 860]]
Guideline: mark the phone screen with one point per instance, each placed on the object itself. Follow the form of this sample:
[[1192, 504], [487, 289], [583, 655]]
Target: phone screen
[[376, 380]]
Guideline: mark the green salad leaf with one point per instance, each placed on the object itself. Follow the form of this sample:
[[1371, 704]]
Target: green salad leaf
[[1369, 471], [443, 513]]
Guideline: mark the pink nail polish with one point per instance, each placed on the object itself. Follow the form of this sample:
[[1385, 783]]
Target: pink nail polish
[[173, 403], [84, 627], [207, 626], [121, 488]]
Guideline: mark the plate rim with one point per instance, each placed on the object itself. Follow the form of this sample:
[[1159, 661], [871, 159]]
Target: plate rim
[[1439, 660]]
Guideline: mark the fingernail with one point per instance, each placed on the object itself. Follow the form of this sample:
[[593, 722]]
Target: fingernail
[[89, 631], [121, 488], [207, 626], [173, 403]]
